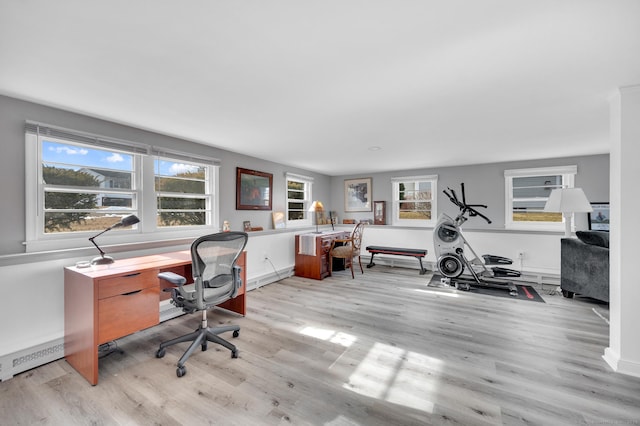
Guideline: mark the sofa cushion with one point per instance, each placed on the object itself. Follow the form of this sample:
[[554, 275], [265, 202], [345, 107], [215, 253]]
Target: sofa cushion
[[594, 238]]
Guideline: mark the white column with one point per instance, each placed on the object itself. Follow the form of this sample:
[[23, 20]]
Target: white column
[[623, 353]]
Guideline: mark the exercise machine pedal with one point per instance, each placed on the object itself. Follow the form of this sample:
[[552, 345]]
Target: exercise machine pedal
[[490, 259], [504, 272]]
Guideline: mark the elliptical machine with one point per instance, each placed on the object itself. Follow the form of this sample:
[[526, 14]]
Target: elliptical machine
[[450, 247]]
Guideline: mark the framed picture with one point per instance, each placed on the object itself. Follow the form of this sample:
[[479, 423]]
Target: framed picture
[[278, 220], [379, 213], [599, 217], [357, 195], [246, 225], [253, 190]]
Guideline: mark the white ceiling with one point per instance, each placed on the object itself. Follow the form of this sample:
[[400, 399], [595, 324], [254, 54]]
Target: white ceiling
[[315, 84]]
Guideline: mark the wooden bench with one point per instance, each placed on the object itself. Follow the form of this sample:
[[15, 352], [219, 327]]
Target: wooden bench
[[396, 251]]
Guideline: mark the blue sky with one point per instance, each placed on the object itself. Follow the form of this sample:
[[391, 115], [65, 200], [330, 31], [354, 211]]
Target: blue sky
[[80, 156], [85, 157]]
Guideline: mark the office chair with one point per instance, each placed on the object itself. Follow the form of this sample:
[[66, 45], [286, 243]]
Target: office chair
[[216, 279], [349, 250]]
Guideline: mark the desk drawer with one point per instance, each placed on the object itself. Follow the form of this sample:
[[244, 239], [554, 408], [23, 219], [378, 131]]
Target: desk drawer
[[115, 286], [124, 314]]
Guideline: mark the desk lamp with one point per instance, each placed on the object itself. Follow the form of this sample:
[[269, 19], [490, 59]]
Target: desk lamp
[[568, 201], [104, 259], [316, 207]]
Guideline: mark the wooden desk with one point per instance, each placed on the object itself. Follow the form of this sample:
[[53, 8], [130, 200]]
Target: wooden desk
[[315, 263], [106, 302]]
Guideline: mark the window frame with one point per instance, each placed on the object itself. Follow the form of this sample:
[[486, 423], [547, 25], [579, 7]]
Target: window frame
[[395, 203], [144, 157], [568, 174], [208, 196], [308, 199]]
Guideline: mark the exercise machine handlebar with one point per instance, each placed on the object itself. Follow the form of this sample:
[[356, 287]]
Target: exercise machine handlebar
[[463, 206]]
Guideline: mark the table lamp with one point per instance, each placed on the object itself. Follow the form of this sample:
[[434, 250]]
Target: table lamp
[[316, 207], [568, 201], [104, 259]]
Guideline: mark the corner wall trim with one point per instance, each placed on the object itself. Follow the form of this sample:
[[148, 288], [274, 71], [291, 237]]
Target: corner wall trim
[[619, 365]]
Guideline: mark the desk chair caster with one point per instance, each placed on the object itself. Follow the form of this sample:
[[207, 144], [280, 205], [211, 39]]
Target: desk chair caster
[[182, 370]]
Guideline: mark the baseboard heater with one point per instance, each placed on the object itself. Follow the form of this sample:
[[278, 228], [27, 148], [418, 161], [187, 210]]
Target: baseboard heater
[[32, 357]]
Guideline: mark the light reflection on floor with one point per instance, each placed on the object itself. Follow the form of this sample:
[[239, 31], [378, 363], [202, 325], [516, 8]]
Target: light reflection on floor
[[339, 338], [437, 293], [388, 372], [395, 375]]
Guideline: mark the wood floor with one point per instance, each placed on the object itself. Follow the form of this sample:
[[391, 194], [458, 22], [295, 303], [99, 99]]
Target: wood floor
[[383, 349]]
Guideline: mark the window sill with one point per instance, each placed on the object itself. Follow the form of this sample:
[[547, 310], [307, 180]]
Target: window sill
[[90, 252]]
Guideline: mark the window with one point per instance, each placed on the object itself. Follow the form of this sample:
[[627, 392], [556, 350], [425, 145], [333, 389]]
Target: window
[[183, 192], [79, 184], [84, 188], [526, 193], [298, 199], [414, 201]]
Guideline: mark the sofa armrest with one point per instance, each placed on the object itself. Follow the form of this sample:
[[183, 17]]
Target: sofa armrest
[[584, 269]]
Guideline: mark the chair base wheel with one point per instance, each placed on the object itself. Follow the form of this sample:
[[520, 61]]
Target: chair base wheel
[[236, 333], [181, 371], [234, 353], [160, 353]]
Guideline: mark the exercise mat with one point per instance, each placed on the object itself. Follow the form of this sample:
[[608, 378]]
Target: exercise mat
[[525, 292]]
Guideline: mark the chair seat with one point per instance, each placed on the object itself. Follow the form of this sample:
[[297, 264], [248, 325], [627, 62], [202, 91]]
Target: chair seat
[[349, 250], [342, 251], [208, 294]]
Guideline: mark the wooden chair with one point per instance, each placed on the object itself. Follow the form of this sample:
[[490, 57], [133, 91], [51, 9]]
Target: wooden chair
[[349, 250]]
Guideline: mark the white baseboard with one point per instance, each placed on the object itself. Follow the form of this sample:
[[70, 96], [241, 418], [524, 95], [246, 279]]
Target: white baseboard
[[268, 278], [168, 310], [32, 357], [619, 365]]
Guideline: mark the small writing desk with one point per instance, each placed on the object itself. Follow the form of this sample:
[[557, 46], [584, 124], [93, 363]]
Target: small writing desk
[[312, 253], [106, 302]]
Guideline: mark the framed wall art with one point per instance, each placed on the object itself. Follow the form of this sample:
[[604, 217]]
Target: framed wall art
[[599, 217], [379, 212], [357, 195], [278, 220], [253, 190]]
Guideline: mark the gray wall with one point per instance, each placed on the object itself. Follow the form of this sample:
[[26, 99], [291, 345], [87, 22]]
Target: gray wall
[[14, 113], [484, 184]]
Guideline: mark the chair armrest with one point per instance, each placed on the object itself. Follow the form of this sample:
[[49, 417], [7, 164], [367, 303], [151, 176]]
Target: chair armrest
[[237, 280], [173, 278]]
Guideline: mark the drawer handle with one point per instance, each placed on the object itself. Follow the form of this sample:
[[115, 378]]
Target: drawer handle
[[131, 275], [131, 292]]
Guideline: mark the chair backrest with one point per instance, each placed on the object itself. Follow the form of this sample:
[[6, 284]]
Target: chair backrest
[[356, 237], [214, 257]]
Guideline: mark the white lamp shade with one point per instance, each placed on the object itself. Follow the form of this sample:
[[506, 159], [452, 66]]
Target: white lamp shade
[[316, 206], [568, 200]]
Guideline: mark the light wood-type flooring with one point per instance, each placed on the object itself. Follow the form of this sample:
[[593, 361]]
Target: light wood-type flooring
[[382, 349]]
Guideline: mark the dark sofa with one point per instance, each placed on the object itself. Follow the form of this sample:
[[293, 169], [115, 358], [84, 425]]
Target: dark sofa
[[584, 267]]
